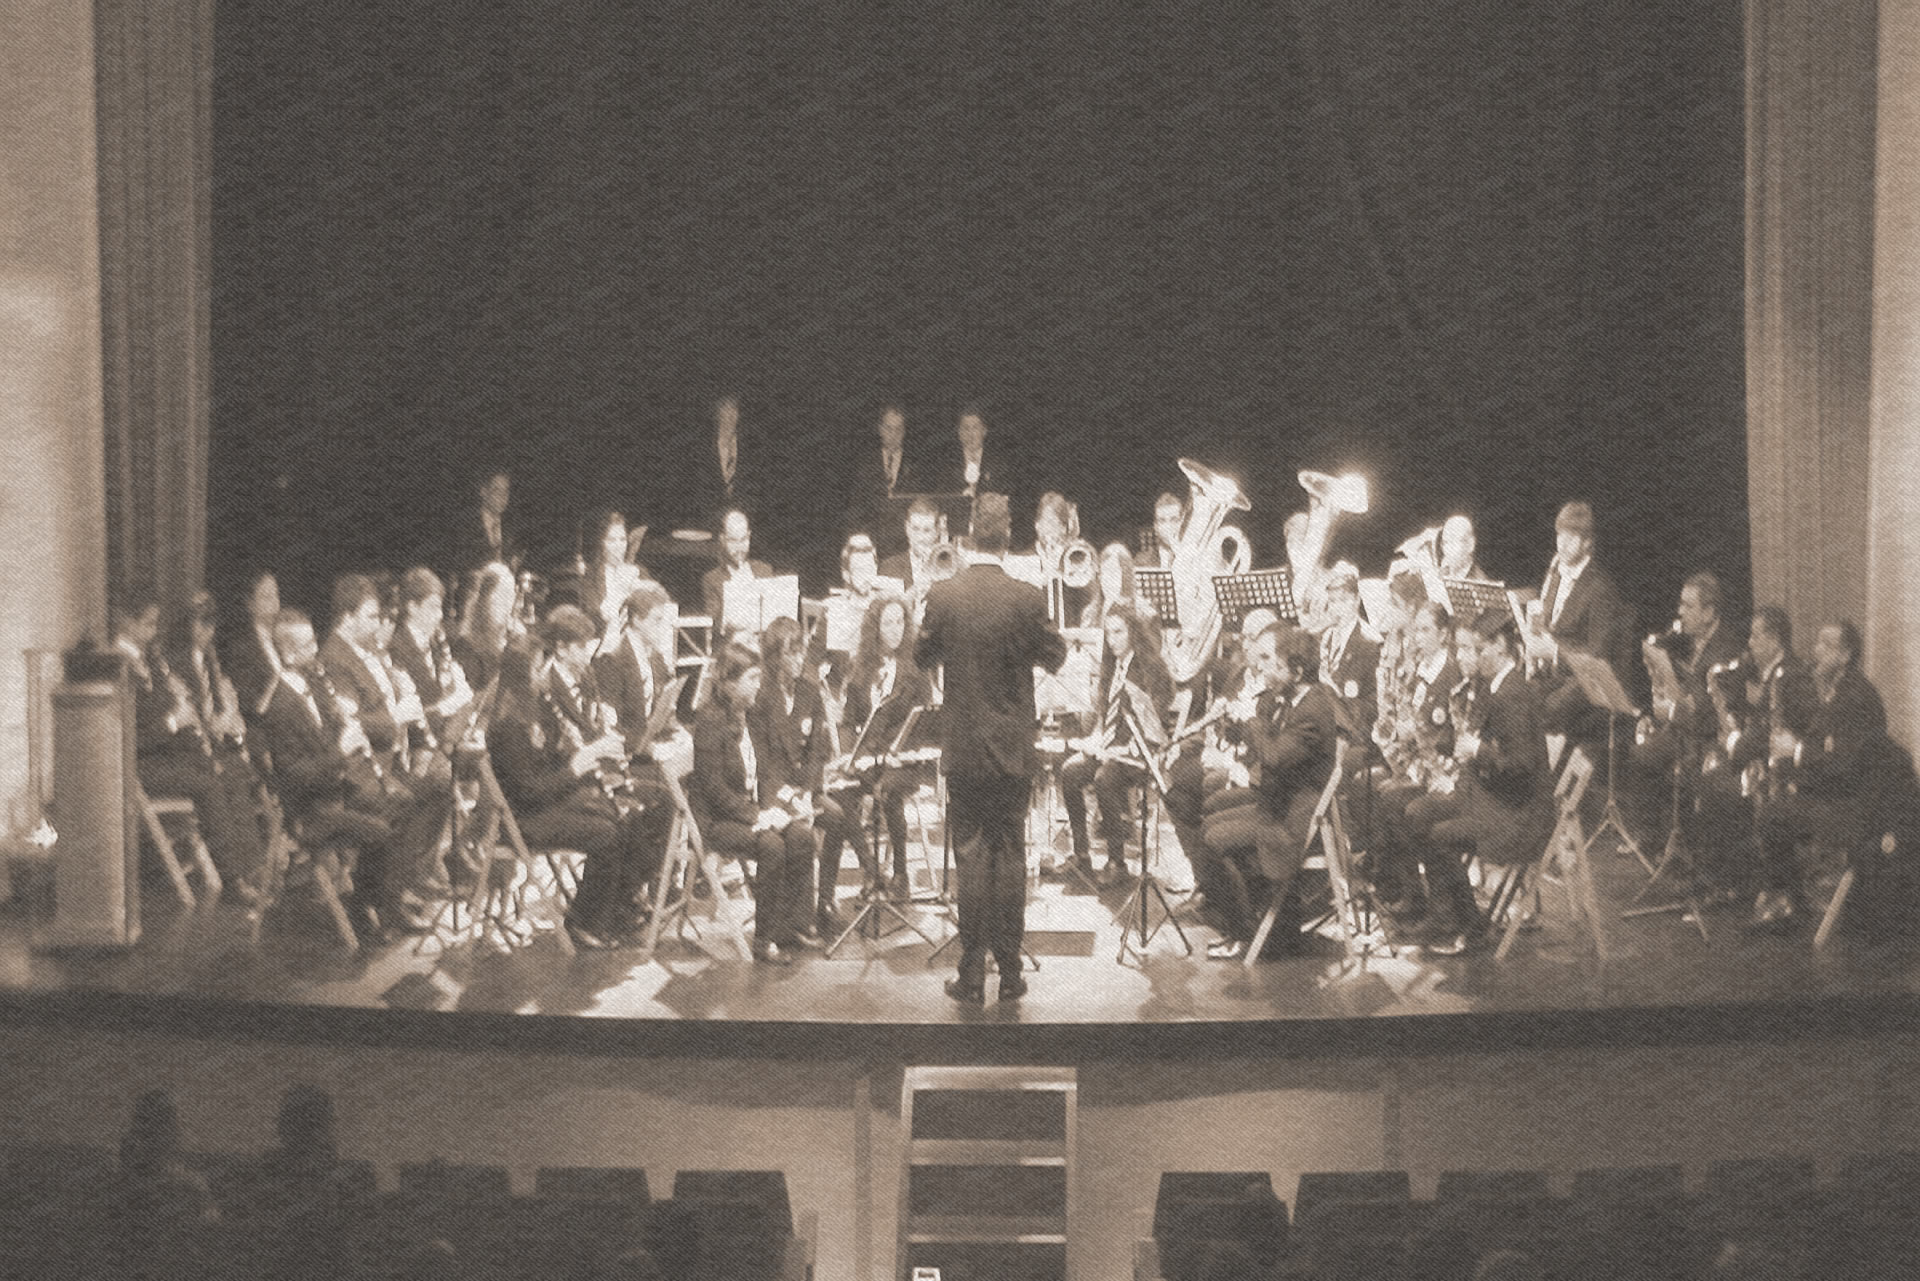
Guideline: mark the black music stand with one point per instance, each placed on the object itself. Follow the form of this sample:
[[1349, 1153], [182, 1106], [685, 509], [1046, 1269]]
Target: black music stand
[[1469, 598], [879, 903], [1155, 586], [1138, 719], [1604, 691], [1241, 594], [1676, 852]]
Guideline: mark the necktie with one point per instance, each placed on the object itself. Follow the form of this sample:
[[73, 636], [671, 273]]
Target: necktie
[[893, 470]]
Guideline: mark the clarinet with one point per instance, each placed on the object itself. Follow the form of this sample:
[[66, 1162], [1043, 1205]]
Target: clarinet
[[609, 778], [349, 713], [184, 711]]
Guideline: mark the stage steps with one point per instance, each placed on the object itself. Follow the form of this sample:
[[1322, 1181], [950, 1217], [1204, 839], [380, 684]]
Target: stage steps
[[988, 1173]]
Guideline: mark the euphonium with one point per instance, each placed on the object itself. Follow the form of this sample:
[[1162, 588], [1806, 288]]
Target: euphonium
[[1079, 563], [943, 561], [1328, 496], [1207, 548]]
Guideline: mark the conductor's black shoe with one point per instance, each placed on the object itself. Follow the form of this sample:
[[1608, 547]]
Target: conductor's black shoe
[[1012, 987], [967, 993]]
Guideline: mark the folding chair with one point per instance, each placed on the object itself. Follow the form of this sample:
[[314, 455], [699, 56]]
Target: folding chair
[[1336, 860], [686, 852], [290, 857], [1567, 851], [153, 813], [500, 912]]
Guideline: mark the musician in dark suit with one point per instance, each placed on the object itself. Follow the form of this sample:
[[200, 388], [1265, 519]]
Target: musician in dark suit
[[736, 544], [195, 657], [987, 632], [329, 780], [1110, 760], [253, 662], [559, 771], [1292, 738], [1781, 707], [913, 567], [878, 475], [484, 535], [176, 753], [1500, 806], [1457, 552], [883, 686], [1580, 610], [744, 817], [422, 653], [973, 472], [1349, 654]]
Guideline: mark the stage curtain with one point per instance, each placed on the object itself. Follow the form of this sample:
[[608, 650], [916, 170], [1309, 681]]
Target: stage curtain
[[1810, 204], [153, 72]]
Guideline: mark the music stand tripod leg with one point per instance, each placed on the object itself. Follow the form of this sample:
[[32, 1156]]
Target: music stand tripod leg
[[1675, 852]]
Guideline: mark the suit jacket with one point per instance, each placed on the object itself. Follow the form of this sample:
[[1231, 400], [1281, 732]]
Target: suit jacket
[[532, 761], [631, 689], [430, 670], [470, 549], [911, 689], [1596, 621], [867, 494], [900, 566], [1787, 701], [1352, 682], [1696, 716], [1150, 674], [249, 666], [352, 678], [719, 788], [794, 747], [954, 477], [1842, 732], [153, 706], [1293, 740], [309, 768], [1506, 793], [989, 632], [713, 586]]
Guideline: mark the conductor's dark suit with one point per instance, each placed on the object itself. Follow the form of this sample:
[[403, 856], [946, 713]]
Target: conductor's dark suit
[[988, 631]]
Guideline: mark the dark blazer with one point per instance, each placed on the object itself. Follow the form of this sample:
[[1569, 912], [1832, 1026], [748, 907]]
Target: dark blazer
[[1842, 732], [989, 632], [431, 672], [713, 585], [794, 748], [1596, 621], [352, 679], [867, 493], [630, 691], [152, 704], [1149, 672], [718, 787], [1353, 683], [1294, 744], [308, 766], [953, 479], [469, 548], [531, 760], [911, 689], [248, 666], [1506, 793], [900, 566], [1787, 701], [1701, 721]]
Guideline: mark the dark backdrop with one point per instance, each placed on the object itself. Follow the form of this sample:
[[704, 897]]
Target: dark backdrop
[[1489, 254]]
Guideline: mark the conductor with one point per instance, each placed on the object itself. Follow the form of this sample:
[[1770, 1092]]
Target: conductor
[[988, 631]]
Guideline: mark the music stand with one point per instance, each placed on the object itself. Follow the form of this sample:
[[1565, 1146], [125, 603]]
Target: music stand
[[1143, 724], [1155, 586], [1241, 594], [1604, 691], [1676, 851], [882, 903], [1469, 598]]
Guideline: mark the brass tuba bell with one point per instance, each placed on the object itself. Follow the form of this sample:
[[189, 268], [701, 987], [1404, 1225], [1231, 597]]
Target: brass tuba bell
[[1207, 547]]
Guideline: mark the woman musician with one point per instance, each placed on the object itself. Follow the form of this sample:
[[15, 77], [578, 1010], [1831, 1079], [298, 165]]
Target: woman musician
[[549, 756], [883, 686], [1107, 758], [742, 816], [794, 721], [1421, 696]]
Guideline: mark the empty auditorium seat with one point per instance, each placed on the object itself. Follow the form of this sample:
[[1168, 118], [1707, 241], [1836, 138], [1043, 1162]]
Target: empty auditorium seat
[[622, 1184], [1492, 1185], [764, 1188], [1657, 1182], [448, 1182], [1177, 1186], [1350, 1185], [1356, 1240]]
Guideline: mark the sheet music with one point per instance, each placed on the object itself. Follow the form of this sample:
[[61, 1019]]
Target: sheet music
[[752, 603]]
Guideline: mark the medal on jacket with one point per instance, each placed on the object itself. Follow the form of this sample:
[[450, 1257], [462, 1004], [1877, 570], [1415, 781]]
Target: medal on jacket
[[806, 726], [1439, 716], [537, 736], [1353, 689]]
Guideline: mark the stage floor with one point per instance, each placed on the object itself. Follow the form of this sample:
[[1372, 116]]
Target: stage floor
[[1658, 968]]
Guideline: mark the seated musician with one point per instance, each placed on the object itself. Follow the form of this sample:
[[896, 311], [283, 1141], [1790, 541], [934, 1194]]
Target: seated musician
[[423, 654], [419, 783], [1500, 806], [330, 780], [1112, 586], [1108, 758], [859, 569], [1458, 550], [1414, 732], [736, 541], [1349, 652], [610, 576], [490, 627], [195, 657], [913, 568], [561, 771], [741, 817], [795, 725], [630, 678], [252, 660], [1782, 703], [1261, 833], [176, 753], [883, 686]]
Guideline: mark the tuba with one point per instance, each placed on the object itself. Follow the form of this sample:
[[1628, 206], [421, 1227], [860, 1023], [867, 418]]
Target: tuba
[[1207, 548], [1329, 496]]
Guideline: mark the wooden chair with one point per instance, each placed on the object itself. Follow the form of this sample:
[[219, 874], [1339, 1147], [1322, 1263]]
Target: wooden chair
[[499, 911], [154, 811], [293, 860], [1567, 852], [1336, 859], [687, 857]]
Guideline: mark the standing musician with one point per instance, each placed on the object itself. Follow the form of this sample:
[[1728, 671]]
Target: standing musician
[[742, 816], [1107, 757], [796, 726], [987, 632], [1349, 653], [1580, 609], [1170, 512], [880, 474], [1458, 548], [1782, 700], [1500, 807], [886, 684], [974, 474], [177, 754], [330, 779], [1414, 733], [423, 654], [1261, 833], [484, 536], [560, 766], [736, 541]]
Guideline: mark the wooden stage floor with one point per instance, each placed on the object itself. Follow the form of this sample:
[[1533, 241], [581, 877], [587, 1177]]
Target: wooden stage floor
[[1661, 981]]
